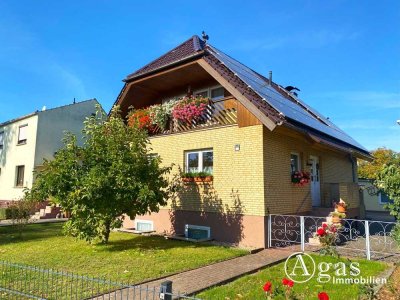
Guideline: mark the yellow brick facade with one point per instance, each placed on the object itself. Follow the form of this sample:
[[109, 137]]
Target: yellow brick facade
[[283, 197], [256, 179], [238, 175]]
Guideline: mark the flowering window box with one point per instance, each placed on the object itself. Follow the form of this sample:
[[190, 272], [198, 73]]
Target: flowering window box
[[300, 178]]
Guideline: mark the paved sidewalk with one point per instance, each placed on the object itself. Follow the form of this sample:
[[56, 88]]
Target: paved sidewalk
[[194, 281]]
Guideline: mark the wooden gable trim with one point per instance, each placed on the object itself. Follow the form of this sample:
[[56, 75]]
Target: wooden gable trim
[[241, 98]]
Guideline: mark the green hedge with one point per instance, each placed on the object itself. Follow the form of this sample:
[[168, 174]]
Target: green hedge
[[10, 212], [3, 213]]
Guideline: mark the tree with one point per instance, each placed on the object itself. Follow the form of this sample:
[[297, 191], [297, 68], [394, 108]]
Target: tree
[[389, 182], [111, 175], [382, 157]]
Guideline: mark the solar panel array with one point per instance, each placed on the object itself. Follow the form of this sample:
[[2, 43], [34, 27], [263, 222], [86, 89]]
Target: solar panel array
[[299, 112]]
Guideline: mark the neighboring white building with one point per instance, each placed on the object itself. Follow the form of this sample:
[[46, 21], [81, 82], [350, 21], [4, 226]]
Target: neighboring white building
[[374, 201], [26, 141]]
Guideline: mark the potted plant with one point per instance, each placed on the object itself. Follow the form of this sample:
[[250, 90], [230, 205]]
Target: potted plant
[[300, 178], [336, 217], [140, 118], [190, 109], [203, 177], [341, 206], [188, 177], [160, 114]]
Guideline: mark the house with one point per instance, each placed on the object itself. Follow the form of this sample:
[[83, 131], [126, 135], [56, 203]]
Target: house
[[255, 135], [373, 201], [27, 140]]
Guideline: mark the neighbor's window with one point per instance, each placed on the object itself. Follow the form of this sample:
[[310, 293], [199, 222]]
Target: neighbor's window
[[294, 162], [383, 198], [1, 139], [22, 134], [20, 176], [200, 161]]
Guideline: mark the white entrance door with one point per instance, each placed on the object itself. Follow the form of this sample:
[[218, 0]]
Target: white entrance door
[[315, 184]]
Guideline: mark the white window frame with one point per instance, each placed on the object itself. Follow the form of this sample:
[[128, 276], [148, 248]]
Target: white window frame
[[17, 177], [298, 160], [23, 141], [208, 90], [200, 153], [145, 222]]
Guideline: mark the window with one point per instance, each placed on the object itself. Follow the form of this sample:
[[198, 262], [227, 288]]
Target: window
[[144, 225], [1, 139], [294, 162], [22, 134], [20, 176], [215, 93], [384, 199], [200, 161]]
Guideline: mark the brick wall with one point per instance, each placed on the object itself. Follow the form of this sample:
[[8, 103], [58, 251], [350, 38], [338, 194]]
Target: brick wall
[[238, 175], [282, 197]]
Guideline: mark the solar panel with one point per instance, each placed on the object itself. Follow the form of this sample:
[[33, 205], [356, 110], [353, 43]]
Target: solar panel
[[306, 116]]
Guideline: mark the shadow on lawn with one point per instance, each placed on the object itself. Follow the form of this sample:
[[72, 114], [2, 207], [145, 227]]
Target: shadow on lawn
[[148, 243], [9, 234]]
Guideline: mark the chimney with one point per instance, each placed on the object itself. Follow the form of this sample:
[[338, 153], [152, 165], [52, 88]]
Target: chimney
[[270, 78]]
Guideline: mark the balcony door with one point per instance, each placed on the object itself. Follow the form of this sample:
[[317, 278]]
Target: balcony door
[[315, 182]]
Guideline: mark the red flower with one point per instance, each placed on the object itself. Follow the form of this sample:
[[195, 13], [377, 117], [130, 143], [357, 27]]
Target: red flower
[[267, 286], [323, 296], [290, 283], [321, 232], [324, 225], [285, 281]]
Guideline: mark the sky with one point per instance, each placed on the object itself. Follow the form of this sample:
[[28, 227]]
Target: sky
[[343, 55]]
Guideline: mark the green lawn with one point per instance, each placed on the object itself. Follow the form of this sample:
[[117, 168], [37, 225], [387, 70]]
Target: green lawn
[[250, 286], [127, 257]]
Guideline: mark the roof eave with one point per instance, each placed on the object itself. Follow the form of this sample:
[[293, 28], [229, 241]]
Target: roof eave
[[340, 145], [164, 67]]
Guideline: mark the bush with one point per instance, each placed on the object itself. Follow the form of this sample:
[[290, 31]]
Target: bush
[[3, 213]]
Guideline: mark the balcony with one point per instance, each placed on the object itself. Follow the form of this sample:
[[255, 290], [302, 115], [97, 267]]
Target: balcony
[[222, 112]]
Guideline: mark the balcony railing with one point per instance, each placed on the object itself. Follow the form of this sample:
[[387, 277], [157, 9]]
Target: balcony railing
[[218, 113]]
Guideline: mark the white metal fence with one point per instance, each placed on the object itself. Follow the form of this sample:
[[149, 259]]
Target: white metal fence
[[372, 239]]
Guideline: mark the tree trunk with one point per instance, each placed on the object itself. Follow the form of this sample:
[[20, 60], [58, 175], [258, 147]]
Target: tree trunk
[[107, 230]]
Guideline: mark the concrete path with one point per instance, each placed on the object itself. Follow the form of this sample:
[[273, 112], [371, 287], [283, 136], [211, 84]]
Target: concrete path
[[197, 280]]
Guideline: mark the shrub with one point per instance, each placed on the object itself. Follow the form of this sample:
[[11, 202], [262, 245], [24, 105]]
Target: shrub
[[3, 213]]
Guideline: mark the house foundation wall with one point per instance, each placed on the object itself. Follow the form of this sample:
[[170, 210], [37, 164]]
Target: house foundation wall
[[241, 230]]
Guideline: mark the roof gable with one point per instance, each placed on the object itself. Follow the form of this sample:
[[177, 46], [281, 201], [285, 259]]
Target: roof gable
[[186, 50], [280, 106]]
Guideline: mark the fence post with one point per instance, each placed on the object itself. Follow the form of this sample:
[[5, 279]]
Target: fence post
[[367, 244], [269, 231], [302, 233], [166, 287]]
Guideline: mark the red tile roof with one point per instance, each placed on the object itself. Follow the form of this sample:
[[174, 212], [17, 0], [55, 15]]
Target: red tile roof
[[227, 67], [186, 50]]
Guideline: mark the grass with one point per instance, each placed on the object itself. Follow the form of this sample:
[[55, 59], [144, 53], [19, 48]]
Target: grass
[[127, 257], [250, 286]]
